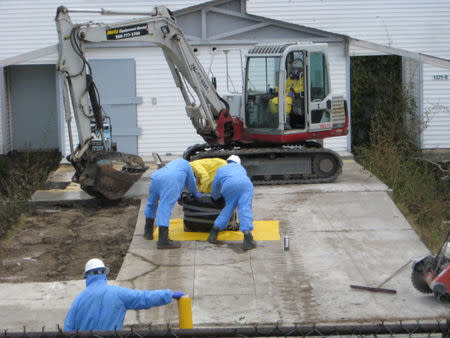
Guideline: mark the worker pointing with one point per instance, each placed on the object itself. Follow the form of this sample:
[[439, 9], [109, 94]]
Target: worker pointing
[[164, 191], [103, 307], [232, 183]]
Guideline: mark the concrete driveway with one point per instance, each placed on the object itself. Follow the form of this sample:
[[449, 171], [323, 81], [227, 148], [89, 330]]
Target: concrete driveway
[[341, 233]]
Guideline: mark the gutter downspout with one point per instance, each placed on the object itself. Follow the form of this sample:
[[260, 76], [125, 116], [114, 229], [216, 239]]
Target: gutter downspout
[[349, 93]]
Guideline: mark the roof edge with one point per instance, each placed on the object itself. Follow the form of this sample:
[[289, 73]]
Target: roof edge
[[429, 59]]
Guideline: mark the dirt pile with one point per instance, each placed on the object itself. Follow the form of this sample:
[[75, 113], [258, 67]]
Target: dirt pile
[[54, 244]]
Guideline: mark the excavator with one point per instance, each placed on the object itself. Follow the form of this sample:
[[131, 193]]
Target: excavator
[[276, 126]]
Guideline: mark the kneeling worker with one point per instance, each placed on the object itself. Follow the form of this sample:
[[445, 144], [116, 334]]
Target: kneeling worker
[[102, 307], [232, 182]]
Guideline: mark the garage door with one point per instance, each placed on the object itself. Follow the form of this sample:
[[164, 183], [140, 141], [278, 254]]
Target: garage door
[[33, 107], [116, 83]]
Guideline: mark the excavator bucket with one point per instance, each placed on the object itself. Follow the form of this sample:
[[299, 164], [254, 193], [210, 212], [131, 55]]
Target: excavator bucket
[[108, 175]]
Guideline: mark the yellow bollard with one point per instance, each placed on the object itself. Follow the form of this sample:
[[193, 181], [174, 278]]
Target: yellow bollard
[[185, 313]]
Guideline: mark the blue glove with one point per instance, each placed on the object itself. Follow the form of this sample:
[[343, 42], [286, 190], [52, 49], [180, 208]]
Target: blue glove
[[177, 294], [198, 194]]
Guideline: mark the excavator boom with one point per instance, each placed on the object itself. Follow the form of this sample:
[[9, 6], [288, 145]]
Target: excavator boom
[[104, 172]]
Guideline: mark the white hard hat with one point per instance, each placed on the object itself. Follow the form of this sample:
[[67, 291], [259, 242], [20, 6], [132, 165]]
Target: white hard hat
[[234, 158], [297, 63], [94, 264], [447, 250]]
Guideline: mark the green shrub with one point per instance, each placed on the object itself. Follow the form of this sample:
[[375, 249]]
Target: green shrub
[[4, 170], [390, 126], [21, 174]]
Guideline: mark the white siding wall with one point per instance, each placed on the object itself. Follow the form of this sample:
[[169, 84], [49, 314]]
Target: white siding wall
[[27, 25], [338, 73], [165, 126], [436, 108], [3, 110], [414, 25]]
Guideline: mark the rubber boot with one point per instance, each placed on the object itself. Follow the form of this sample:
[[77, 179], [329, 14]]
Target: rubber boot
[[249, 242], [148, 229], [164, 242], [212, 238]]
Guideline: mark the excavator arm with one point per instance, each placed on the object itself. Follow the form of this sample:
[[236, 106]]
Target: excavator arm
[[96, 171]]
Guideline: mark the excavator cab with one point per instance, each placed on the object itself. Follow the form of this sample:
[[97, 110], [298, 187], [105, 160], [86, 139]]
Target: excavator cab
[[286, 107], [287, 92]]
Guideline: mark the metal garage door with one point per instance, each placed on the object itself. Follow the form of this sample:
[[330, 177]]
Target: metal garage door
[[116, 83], [33, 107]]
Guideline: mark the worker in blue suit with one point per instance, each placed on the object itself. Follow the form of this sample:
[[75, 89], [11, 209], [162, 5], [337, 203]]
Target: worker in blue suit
[[164, 191], [232, 182], [102, 307]]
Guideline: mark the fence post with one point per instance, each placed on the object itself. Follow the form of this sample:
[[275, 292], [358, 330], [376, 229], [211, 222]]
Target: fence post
[[185, 313], [446, 334]]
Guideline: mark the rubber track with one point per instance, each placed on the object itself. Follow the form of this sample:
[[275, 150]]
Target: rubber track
[[204, 151]]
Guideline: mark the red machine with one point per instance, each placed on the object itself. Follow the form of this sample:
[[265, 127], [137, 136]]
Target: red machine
[[431, 274]]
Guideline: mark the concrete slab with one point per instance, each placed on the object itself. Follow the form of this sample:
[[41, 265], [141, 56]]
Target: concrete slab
[[35, 305], [71, 193], [60, 178], [341, 233]]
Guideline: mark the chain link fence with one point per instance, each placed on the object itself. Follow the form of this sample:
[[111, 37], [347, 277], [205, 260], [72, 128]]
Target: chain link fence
[[438, 328]]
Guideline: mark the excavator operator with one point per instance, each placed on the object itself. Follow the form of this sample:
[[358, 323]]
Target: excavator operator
[[295, 83], [294, 90]]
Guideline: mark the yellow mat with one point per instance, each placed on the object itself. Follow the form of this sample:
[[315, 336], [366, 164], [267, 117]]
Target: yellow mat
[[263, 231]]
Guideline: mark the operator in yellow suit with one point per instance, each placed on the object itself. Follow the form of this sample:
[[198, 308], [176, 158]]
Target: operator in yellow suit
[[205, 170], [294, 89]]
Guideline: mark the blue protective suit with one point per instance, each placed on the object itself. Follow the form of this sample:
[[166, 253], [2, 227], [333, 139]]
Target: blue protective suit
[[166, 187], [102, 307], [231, 182]]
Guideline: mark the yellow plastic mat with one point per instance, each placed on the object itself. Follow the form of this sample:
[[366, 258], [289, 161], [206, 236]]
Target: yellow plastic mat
[[263, 231]]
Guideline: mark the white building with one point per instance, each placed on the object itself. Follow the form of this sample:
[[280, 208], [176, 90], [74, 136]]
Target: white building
[[151, 108]]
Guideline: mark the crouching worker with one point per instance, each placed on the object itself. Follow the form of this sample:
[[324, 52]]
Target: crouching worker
[[164, 191], [102, 307], [232, 183], [204, 170]]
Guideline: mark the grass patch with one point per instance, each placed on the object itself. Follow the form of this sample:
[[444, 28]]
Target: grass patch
[[420, 190], [21, 174], [386, 144]]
